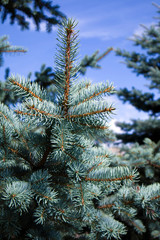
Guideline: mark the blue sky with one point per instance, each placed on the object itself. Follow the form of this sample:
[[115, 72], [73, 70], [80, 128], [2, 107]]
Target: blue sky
[[102, 24]]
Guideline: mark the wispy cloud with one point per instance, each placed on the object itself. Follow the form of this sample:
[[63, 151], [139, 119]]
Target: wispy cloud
[[104, 27], [103, 34], [113, 22], [97, 28], [113, 127]]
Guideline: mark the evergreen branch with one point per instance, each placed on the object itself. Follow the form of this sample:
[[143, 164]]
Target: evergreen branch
[[104, 54], [108, 89], [153, 164], [82, 193], [110, 109], [136, 225], [156, 5], [78, 145], [4, 115], [155, 197], [62, 146], [66, 71], [130, 177], [25, 113], [90, 126], [18, 194], [24, 88], [98, 127], [90, 93], [91, 61], [5, 46], [42, 195], [40, 176], [95, 167], [11, 50], [113, 174], [3, 39], [35, 10], [105, 156], [69, 155], [15, 151], [125, 212], [111, 228], [106, 206], [43, 112], [68, 66]]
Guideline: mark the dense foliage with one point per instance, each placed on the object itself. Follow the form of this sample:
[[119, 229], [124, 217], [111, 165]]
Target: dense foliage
[[55, 184]]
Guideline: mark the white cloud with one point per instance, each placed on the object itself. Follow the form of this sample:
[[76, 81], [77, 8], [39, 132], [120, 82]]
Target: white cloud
[[123, 113], [113, 127]]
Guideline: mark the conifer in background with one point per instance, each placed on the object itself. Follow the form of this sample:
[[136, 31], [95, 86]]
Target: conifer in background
[[25, 11], [7, 96], [55, 184], [145, 153], [145, 63]]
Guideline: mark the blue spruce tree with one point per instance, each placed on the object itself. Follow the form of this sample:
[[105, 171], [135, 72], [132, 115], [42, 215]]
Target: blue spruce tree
[[144, 62], [142, 136], [55, 183]]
